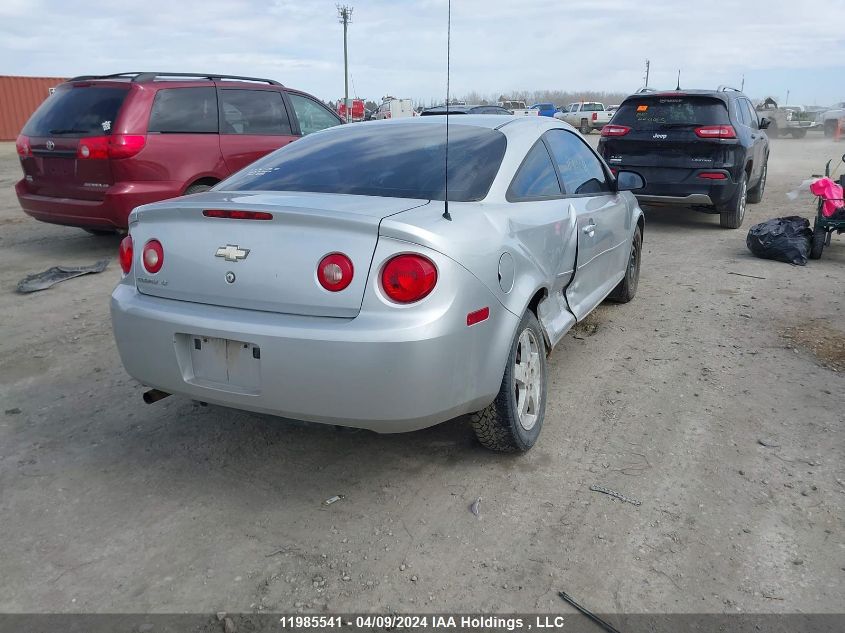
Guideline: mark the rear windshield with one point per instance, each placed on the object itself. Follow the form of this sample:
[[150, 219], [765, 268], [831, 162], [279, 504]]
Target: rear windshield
[[655, 113], [77, 111], [402, 161]]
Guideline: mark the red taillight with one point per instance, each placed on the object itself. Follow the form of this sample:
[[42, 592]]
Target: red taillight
[[114, 146], [126, 145], [595, 116], [237, 215], [23, 146], [615, 130], [712, 175], [334, 272], [153, 256], [715, 131], [93, 148], [125, 254], [408, 278]]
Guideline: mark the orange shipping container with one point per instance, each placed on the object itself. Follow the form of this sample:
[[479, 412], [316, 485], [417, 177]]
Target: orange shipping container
[[19, 97]]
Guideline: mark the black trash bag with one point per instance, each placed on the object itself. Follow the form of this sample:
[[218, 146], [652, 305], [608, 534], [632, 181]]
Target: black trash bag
[[783, 239]]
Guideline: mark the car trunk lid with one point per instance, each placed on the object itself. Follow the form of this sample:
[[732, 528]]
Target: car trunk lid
[[261, 264]]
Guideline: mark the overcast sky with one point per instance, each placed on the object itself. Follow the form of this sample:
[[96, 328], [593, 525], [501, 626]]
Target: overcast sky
[[398, 47]]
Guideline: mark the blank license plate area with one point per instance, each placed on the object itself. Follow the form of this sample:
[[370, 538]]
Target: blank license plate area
[[224, 361]]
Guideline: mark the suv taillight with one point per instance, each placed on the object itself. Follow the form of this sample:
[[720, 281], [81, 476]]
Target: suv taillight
[[615, 130], [23, 146], [114, 146], [715, 131]]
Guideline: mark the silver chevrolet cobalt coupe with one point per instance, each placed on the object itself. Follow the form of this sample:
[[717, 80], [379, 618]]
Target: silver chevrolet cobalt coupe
[[333, 281]]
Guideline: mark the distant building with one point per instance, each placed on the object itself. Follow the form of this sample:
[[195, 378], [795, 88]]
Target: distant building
[[19, 97]]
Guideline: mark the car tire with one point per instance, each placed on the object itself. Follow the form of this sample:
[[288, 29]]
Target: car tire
[[627, 288], [756, 195], [504, 426], [798, 133], [198, 188], [732, 214], [817, 245], [585, 127], [829, 128]]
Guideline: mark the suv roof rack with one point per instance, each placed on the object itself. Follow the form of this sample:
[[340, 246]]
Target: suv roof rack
[[151, 76], [726, 88]]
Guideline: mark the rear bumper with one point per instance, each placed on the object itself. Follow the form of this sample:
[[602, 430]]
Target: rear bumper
[[385, 372], [682, 186], [112, 212], [693, 199]]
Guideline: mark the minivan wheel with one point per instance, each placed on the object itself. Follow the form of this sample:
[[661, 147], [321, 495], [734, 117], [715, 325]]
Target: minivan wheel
[[733, 213], [627, 288], [196, 189], [585, 127], [756, 195], [512, 422]]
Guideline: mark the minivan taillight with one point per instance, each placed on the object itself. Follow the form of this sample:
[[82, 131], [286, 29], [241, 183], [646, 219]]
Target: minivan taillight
[[125, 254], [126, 145], [408, 278], [615, 130], [23, 146], [114, 146], [715, 131]]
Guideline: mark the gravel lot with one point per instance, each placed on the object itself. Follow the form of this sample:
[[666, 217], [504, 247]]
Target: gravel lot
[[713, 398]]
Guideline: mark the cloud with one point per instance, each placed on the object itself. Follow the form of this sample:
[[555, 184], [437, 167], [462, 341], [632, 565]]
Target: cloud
[[399, 46]]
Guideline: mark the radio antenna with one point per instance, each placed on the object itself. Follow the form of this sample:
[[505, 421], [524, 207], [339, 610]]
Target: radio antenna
[[448, 59]]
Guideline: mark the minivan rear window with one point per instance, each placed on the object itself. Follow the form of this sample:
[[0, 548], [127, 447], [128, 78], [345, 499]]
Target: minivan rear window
[[401, 161], [660, 112], [75, 111]]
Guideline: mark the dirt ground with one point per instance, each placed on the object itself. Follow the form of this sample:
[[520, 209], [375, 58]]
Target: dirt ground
[[712, 398]]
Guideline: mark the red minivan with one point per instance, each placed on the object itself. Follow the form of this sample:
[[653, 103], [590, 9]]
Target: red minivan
[[100, 146]]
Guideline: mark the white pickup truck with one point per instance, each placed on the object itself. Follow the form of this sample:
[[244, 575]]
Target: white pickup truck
[[585, 115], [517, 108]]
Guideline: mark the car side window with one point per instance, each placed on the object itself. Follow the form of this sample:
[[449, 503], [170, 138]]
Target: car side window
[[253, 112], [742, 112], [185, 111], [536, 178], [752, 114], [312, 116], [580, 169]]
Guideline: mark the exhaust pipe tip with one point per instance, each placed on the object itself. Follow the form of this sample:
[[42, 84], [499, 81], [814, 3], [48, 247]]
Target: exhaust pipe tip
[[154, 395]]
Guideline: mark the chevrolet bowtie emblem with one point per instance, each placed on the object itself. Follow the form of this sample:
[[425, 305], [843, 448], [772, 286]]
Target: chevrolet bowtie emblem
[[232, 252]]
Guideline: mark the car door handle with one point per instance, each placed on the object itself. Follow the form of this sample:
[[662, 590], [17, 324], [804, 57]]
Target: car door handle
[[590, 229]]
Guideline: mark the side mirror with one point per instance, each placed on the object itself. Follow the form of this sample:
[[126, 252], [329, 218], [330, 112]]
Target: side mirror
[[765, 123], [629, 181]]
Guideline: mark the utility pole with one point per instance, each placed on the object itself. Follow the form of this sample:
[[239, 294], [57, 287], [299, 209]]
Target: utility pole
[[647, 66], [344, 14]]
